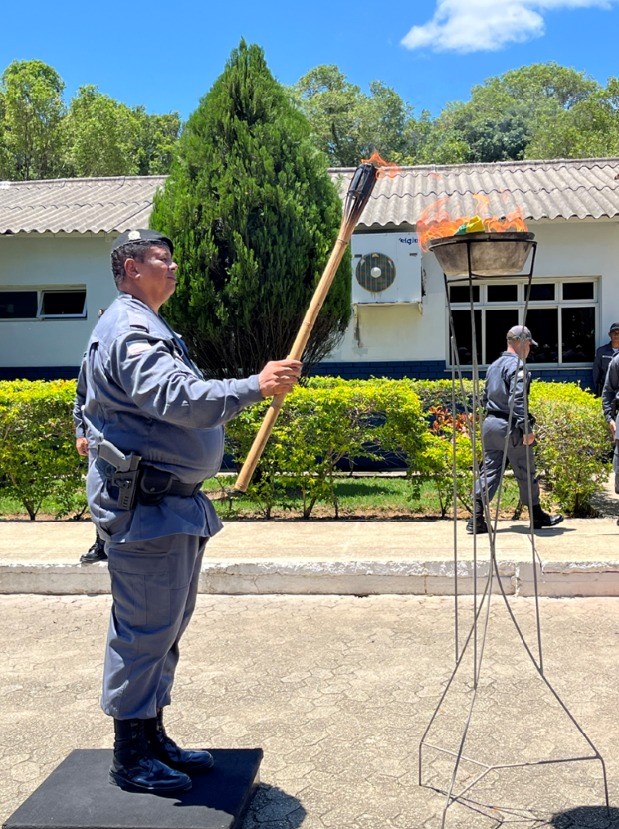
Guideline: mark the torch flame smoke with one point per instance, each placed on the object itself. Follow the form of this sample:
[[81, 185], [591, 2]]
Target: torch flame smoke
[[437, 221], [384, 168]]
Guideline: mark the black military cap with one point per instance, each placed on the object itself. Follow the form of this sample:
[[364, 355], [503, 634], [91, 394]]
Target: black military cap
[[142, 235], [613, 327]]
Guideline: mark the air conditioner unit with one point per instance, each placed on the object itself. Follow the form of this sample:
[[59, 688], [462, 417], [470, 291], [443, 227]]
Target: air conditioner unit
[[386, 268]]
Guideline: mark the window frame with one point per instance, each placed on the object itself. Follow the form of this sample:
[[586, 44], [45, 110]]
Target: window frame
[[556, 304], [41, 291]]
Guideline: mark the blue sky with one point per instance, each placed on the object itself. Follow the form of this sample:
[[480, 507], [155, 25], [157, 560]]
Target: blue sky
[[165, 56]]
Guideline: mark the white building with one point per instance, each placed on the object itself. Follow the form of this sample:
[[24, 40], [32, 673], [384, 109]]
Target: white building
[[54, 269]]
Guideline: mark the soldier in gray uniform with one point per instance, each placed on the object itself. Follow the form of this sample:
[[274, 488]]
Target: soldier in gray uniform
[[96, 552], [603, 356], [508, 422], [610, 407], [155, 432]]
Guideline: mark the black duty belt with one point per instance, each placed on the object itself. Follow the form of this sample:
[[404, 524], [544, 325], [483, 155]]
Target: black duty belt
[[500, 415], [147, 484], [155, 482], [184, 490]]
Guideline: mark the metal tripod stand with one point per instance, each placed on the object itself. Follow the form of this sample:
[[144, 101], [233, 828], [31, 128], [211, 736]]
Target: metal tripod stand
[[465, 770]]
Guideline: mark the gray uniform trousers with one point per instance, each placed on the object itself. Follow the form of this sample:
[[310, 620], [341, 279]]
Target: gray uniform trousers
[[154, 588], [616, 456], [494, 432]]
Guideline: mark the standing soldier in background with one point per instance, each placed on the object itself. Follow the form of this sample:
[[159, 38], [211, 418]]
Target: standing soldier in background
[[97, 551], [155, 432], [506, 390], [603, 356], [610, 407]]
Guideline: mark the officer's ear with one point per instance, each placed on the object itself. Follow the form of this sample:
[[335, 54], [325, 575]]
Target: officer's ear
[[132, 270]]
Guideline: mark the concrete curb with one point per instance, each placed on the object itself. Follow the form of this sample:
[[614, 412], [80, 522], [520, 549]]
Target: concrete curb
[[313, 576]]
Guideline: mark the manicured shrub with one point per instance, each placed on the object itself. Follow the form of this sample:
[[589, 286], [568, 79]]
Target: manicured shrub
[[37, 445], [573, 442], [316, 429], [321, 424]]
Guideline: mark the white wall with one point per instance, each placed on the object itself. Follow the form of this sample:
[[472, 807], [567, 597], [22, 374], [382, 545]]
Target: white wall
[[39, 260], [388, 333], [401, 332]]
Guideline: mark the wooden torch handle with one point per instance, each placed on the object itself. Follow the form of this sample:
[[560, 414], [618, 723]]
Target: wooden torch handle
[[296, 352]]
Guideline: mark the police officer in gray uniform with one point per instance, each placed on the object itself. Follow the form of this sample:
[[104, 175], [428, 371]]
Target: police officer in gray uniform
[[603, 356], [155, 431], [508, 422], [610, 407], [96, 552]]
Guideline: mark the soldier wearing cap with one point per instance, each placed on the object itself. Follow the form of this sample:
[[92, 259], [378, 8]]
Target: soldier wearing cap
[[155, 432], [508, 426], [603, 356], [610, 407]]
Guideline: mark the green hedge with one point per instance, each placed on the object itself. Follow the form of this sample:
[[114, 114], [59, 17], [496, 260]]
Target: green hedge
[[37, 446], [322, 423], [319, 426], [573, 443]]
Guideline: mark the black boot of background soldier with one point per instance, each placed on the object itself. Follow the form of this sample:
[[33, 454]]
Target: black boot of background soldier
[[166, 750], [95, 553], [542, 519], [134, 766], [477, 525]]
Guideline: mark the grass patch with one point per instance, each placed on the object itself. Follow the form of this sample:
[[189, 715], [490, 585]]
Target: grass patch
[[358, 497], [367, 497]]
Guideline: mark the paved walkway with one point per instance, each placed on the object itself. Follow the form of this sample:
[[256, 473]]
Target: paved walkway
[[580, 557], [338, 692]]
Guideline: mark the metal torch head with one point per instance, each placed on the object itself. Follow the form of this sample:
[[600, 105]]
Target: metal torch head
[[360, 189]]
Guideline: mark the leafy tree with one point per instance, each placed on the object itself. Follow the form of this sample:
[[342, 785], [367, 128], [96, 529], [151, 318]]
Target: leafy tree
[[107, 138], [157, 136], [348, 125], [254, 216], [5, 164], [437, 143], [101, 135], [504, 114], [588, 129], [32, 111], [330, 103]]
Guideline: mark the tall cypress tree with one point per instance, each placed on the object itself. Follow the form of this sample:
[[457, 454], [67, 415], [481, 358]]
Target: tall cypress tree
[[253, 215]]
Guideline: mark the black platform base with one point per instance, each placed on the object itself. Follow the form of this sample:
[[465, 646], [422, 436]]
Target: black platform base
[[77, 795]]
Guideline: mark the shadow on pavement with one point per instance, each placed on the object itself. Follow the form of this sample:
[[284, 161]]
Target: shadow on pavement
[[272, 806], [587, 817]]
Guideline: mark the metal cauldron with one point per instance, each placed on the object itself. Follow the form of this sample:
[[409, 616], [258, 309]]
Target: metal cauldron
[[491, 254]]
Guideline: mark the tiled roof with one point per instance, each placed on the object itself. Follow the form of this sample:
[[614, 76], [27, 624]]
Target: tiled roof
[[584, 189], [77, 204], [563, 189]]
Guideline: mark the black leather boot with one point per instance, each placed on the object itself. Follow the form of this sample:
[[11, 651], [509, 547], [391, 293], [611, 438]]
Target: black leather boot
[[542, 519], [477, 525], [134, 766], [95, 553], [166, 750]]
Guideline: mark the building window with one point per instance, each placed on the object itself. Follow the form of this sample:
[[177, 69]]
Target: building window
[[56, 304], [18, 305], [562, 316], [43, 303]]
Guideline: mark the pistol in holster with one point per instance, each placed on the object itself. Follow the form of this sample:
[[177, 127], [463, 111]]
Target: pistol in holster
[[126, 472]]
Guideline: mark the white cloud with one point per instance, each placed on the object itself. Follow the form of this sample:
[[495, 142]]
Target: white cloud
[[486, 25]]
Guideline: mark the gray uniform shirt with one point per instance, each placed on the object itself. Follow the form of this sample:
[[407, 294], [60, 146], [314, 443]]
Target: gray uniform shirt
[[80, 399], [610, 390], [145, 395], [603, 356], [507, 377]]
